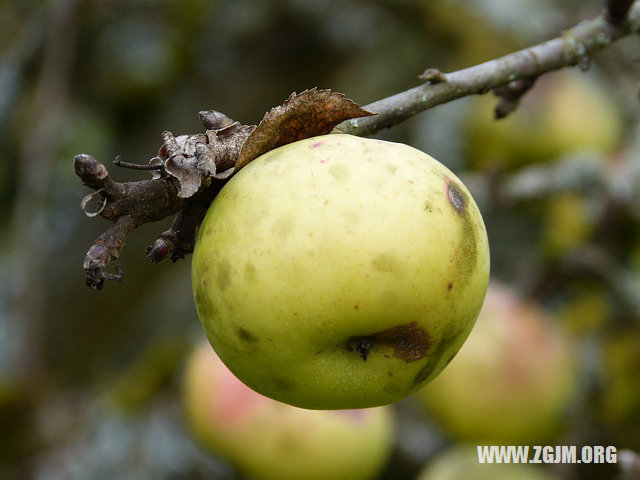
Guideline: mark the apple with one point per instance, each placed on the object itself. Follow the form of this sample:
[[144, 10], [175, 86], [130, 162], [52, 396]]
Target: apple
[[512, 381], [564, 112], [340, 272], [462, 462], [269, 440], [619, 397], [568, 224]]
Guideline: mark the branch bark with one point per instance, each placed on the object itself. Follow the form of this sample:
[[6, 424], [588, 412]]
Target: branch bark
[[572, 47]]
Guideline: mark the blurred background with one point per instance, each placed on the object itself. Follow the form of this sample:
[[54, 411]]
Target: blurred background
[[90, 382]]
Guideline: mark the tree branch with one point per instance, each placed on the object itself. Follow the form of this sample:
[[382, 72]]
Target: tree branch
[[572, 47], [191, 169]]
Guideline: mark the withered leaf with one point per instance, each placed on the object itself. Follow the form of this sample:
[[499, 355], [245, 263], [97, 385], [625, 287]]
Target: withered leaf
[[190, 158], [181, 161], [224, 147], [307, 114]]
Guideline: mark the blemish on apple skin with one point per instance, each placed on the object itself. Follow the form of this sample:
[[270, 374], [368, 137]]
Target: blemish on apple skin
[[339, 172], [385, 262], [465, 256], [409, 342], [250, 271], [392, 389], [316, 144], [455, 196], [449, 286], [205, 306], [434, 357], [283, 226], [223, 276], [282, 384], [423, 374], [246, 336], [451, 357]]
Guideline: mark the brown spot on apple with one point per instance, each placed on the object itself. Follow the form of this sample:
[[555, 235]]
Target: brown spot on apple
[[386, 263], [204, 303], [465, 256], [250, 271], [409, 342], [246, 336], [223, 275], [282, 384], [456, 197]]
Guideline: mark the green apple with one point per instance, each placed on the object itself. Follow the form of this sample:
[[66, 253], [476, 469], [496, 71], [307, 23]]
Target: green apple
[[586, 311], [462, 463], [567, 224], [512, 381], [269, 440], [564, 112], [340, 272], [619, 398]]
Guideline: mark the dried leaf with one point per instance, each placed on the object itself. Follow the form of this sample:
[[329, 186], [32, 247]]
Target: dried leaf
[[308, 114], [84, 205], [182, 162], [190, 158], [227, 147], [224, 146]]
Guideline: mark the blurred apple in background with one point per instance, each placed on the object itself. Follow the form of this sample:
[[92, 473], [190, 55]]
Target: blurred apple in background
[[269, 440], [586, 310], [619, 393], [513, 380], [564, 112], [462, 463], [567, 224]]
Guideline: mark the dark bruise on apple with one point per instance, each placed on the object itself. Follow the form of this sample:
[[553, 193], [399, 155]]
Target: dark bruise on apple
[[340, 272], [409, 342]]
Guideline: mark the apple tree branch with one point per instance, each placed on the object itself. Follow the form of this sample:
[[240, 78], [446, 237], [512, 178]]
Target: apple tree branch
[[189, 170], [572, 47]]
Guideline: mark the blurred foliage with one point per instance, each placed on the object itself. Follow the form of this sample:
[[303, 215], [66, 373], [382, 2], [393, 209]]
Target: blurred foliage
[[144, 66]]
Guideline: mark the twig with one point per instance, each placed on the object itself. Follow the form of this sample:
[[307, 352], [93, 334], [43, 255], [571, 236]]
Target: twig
[[118, 162], [510, 95], [179, 240], [129, 204], [568, 49]]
